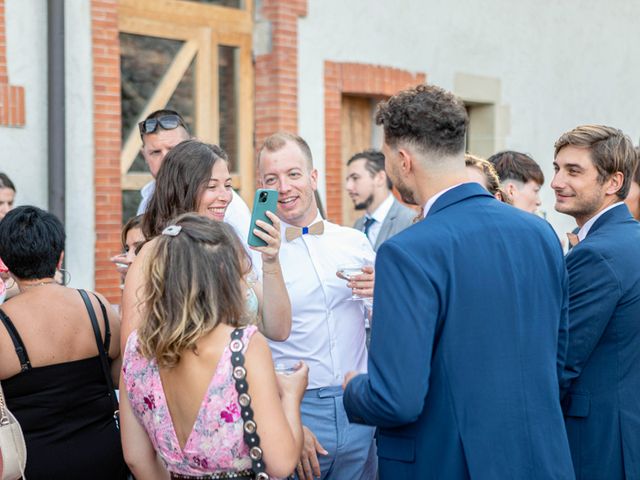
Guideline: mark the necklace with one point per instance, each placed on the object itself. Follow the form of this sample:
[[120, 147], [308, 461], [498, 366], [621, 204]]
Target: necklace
[[38, 284]]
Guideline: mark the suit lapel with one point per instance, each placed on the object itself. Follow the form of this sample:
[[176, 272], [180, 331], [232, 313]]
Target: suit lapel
[[385, 228]]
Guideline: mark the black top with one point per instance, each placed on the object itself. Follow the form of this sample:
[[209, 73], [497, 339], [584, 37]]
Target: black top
[[66, 416]]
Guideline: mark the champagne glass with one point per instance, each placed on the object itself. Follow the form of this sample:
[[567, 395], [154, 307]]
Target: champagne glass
[[285, 367], [348, 271]]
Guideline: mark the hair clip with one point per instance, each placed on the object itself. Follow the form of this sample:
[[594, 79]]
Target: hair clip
[[172, 230]]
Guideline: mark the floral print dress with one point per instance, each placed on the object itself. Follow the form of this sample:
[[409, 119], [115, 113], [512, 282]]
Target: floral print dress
[[216, 442]]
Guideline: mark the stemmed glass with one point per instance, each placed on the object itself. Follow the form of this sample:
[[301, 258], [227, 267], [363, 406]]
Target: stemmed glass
[[348, 271]]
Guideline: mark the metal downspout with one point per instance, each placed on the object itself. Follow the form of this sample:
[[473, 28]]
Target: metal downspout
[[56, 112]]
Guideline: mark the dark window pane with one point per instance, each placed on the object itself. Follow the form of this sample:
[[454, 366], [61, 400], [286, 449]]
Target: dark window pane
[[228, 98], [183, 98], [222, 3], [143, 62], [130, 201]]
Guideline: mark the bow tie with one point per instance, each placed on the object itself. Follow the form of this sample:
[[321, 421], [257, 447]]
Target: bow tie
[[291, 233], [573, 239]]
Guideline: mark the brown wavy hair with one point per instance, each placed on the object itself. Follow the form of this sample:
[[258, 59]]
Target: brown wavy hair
[[181, 180], [194, 282]]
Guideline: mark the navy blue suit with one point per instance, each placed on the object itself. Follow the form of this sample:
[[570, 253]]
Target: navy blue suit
[[468, 340], [601, 380]]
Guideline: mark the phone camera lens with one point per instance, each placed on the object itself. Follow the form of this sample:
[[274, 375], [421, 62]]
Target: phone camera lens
[[263, 197]]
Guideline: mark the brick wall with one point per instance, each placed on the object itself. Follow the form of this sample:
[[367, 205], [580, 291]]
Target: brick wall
[[276, 81], [358, 79], [106, 124], [12, 112]]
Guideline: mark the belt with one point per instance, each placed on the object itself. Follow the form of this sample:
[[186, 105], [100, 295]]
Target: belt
[[324, 392], [239, 475]]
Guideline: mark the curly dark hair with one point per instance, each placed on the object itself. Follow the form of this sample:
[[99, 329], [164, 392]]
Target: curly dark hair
[[426, 116]]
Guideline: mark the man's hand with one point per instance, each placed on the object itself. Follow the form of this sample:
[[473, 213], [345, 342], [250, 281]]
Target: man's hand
[[348, 377], [308, 467], [362, 285]]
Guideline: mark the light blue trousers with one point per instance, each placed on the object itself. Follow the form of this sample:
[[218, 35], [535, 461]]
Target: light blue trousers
[[351, 447]]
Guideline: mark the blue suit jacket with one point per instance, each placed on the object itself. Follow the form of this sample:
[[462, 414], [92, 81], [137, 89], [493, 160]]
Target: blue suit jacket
[[469, 329], [601, 380]]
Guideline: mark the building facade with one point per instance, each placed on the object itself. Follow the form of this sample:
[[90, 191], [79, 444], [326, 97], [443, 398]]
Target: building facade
[[242, 69]]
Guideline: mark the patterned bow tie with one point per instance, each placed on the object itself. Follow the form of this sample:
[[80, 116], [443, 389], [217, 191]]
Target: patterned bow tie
[[291, 233], [419, 217], [573, 239]]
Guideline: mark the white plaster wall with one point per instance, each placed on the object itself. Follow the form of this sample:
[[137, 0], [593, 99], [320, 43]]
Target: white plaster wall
[[560, 64], [23, 151], [81, 236]]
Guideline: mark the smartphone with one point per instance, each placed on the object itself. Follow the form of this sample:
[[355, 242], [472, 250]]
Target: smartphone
[[264, 200]]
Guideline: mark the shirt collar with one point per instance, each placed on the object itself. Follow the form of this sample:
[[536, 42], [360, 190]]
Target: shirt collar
[[148, 187], [383, 209], [284, 225], [587, 226], [432, 200]]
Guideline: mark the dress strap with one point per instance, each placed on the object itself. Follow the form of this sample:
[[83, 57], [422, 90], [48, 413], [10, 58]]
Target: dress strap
[[107, 329], [251, 437], [25, 364]]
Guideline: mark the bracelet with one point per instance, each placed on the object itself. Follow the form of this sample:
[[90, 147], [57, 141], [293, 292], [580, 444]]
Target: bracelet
[[271, 272]]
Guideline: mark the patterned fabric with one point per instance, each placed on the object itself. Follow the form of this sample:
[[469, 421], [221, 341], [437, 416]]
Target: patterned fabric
[[216, 442]]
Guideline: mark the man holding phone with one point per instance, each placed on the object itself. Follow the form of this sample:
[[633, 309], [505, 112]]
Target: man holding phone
[[327, 324]]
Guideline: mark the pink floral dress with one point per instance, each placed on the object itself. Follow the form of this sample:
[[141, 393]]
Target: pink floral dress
[[216, 442]]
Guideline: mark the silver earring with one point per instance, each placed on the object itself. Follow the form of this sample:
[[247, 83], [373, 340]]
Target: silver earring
[[65, 277]]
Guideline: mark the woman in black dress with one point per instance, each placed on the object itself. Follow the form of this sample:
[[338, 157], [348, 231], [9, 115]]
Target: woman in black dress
[[49, 364]]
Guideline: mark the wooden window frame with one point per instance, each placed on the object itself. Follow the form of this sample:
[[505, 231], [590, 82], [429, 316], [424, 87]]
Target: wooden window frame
[[202, 28]]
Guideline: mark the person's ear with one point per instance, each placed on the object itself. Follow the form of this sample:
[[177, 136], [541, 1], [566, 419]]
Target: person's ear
[[511, 190], [314, 178], [406, 160], [615, 182]]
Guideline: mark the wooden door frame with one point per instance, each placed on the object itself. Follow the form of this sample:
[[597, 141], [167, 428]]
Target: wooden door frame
[[352, 79]]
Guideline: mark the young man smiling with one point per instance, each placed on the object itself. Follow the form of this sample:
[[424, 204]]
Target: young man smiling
[[594, 165], [327, 329]]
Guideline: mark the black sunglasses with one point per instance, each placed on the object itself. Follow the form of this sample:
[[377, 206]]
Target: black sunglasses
[[167, 122]]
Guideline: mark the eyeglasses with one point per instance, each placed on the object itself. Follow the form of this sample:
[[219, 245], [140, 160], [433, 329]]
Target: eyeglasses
[[167, 122]]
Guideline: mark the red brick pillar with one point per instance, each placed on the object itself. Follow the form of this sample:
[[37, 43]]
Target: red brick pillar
[[276, 100], [12, 112], [107, 125]]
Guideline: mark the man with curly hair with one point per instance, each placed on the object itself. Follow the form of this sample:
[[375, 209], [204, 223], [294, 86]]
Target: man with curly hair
[[469, 317]]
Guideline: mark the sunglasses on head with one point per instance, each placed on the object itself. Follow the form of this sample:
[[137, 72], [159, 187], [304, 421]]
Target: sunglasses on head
[[167, 122]]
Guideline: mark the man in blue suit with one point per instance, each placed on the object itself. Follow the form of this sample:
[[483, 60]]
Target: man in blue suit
[[469, 318], [600, 385]]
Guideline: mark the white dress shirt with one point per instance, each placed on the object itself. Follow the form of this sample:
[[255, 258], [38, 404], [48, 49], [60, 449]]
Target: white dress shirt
[[327, 329], [146, 193], [582, 233], [379, 215]]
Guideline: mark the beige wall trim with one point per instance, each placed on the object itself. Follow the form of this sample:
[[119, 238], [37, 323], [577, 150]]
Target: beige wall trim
[[489, 120]]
